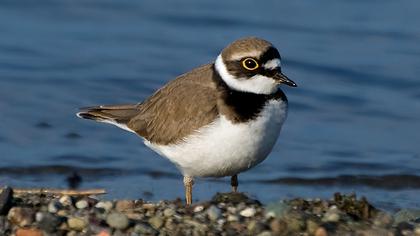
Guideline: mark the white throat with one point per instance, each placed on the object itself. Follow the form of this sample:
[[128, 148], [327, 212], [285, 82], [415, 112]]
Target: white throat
[[258, 84]]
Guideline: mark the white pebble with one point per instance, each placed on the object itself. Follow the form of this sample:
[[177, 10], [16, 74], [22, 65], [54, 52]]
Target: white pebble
[[248, 212], [82, 204], [66, 200], [231, 218], [106, 205], [198, 208]]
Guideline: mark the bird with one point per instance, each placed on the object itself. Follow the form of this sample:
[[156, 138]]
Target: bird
[[217, 120]]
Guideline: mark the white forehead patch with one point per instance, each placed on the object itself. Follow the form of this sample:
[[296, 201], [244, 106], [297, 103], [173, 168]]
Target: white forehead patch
[[258, 84], [240, 55], [272, 64]]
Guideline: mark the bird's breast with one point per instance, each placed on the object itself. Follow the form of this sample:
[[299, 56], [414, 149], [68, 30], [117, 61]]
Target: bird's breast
[[225, 148]]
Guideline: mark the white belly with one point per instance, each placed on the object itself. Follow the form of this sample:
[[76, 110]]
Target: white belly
[[223, 148]]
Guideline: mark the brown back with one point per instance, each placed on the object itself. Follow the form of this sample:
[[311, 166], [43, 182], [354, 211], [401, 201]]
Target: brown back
[[179, 108]]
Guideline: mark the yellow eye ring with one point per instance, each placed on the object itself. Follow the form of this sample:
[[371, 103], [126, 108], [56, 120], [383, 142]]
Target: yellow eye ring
[[250, 64]]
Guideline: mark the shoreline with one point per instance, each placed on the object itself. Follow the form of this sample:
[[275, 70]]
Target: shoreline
[[225, 214]]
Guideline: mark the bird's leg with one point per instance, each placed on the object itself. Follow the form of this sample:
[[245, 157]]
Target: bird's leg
[[188, 184], [234, 183]]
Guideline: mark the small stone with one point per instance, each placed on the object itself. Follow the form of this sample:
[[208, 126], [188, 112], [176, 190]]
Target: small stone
[[149, 206], [54, 206], [124, 205], [106, 205], [82, 204], [231, 210], [375, 232], [6, 197], [265, 233], [383, 219], [248, 212], [66, 200], [156, 222], [103, 233], [197, 225], [321, 231], [252, 227], [198, 208], [311, 226], [76, 223], [21, 216], [117, 220], [170, 225], [417, 230], [168, 212], [278, 226], [28, 232], [332, 215], [232, 218], [294, 222], [144, 229], [48, 222], [63, 213], [213, 213]]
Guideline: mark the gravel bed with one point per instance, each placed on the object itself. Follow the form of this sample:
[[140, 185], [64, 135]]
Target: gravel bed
[[224, 214]]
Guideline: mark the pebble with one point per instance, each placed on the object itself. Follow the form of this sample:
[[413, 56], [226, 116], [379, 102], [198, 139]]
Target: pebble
[[156, 222], [106, 205], [213, 213], [142, 229], [66, 201], [417, 230], [375, 232], [278, 226], [21, 216], [311, 226], [48, 222], [231, 218], [124, 205], [28, 232], [198, 208], [265, 233], [294, 222], [248, 212], [197, 225], [168, 212], [332, 215], [117, 220], [82, 204], [321, 231], [383, 219], [76, 223], [54, 206]]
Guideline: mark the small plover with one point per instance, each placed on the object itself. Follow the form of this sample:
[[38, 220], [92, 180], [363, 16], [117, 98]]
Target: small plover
[[216, 120]]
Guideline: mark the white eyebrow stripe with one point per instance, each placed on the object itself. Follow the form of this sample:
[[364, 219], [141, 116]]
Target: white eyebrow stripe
[[240, 55], [272, 64]]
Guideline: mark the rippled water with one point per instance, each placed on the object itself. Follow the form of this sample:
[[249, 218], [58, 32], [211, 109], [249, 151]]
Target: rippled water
[[353, 123]]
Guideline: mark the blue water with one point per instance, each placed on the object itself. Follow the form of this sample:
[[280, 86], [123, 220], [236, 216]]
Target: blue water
[[355, 113]]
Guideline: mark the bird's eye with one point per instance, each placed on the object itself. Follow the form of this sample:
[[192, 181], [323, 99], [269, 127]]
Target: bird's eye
[[250, 64]]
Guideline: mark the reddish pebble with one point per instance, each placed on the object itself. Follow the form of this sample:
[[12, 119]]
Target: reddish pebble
[[29, 232], [321, 231], [103, 233]]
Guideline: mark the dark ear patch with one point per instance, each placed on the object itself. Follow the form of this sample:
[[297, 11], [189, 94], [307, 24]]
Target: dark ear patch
[[270, 54]]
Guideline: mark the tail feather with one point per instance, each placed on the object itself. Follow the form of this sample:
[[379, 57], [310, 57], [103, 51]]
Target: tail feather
[[118, 115]]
